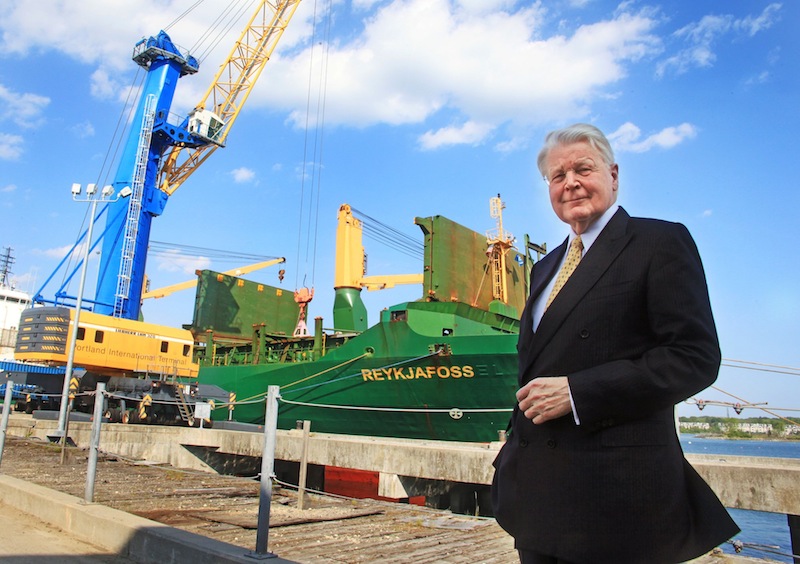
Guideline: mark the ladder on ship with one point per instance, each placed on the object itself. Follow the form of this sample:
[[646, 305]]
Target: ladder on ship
[[499, 242], [134, 207], [185, 411]]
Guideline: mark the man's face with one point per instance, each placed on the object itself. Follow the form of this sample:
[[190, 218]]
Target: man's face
[[582, 186]]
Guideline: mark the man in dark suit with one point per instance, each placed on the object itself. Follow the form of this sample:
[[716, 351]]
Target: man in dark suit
[[592, 471]]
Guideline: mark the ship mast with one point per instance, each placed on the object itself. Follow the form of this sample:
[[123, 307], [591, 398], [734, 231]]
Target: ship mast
[[499, 242]]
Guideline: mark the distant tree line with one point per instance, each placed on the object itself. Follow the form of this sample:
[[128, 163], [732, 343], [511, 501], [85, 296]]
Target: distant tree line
[[743, 427]]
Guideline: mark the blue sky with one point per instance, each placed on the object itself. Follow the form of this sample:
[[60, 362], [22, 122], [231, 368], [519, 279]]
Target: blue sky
[[425, 107]]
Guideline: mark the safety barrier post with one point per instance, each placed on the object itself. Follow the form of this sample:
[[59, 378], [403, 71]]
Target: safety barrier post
[[267, 471], [301, 482], [97, 420], [6, 412]]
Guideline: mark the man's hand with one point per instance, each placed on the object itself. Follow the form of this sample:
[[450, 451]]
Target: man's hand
[[543, 399]]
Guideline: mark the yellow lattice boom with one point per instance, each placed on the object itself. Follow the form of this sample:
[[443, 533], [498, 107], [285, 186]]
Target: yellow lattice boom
[[231, 87]]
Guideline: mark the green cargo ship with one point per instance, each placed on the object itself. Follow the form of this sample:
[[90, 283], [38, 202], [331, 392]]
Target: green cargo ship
[[442, 367]]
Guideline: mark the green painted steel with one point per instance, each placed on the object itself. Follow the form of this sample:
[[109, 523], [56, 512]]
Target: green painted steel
[[349, 313], [232, 307], [456, 267]]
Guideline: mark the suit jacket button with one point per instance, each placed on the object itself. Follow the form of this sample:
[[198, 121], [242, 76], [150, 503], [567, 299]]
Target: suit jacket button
[[551, 443], [523, 442], [584, 333]]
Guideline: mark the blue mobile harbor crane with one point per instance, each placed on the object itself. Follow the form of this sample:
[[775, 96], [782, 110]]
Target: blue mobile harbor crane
[[158, 156], [156, 159], [127, 233]]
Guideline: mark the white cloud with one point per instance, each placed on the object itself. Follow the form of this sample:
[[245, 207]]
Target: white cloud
[[90, 31], [701, 38], [490, 62], [102, 86], [175, 261], [24, 109], [470, 133], [61, 252], [511, 145], [495, 63], [755, 24], [83, 130], [463, 65], [363, 5], [478, 7], [242, 174], [760, 78], [628, 137], [10, 146]]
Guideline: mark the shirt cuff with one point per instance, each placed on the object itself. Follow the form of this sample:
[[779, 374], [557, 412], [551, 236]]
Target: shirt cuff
[[572, 405]]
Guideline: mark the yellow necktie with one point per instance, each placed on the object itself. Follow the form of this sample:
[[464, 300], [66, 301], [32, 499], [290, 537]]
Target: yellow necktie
[[573, 258]]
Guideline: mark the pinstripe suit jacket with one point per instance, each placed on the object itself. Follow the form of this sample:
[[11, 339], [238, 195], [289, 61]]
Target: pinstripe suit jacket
[[633, 331]]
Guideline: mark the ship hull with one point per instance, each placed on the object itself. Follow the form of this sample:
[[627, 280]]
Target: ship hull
[[436, 373]]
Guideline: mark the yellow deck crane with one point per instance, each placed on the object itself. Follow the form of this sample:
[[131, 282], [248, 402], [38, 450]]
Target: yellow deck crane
[[172, 288]]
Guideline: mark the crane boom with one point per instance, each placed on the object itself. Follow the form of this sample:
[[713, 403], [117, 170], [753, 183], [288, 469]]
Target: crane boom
[[214, 116]]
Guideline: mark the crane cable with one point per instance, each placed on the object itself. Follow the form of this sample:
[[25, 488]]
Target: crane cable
[[208, 41], [389, 236], [321, 125], [308, 226], [185, 13], [173, 250]]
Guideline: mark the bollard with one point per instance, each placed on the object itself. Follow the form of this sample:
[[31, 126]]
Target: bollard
[[6, 412], [301, 482], [267, 470], [97, 420]]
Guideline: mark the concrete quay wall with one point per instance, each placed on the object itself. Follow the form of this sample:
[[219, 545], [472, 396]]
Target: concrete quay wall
[[405, 466]]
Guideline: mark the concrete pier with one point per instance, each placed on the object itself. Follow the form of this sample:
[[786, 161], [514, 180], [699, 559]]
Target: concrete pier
[[408, 468]]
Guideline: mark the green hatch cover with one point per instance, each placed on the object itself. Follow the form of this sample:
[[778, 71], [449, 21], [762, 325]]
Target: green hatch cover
[[231, 307], [457, 266]]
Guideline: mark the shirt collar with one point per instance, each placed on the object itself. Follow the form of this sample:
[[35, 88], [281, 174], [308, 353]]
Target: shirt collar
[[590, 235]]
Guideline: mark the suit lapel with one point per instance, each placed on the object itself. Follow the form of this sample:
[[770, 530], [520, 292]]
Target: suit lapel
[[546, 269], [602, 253], [542, 272]]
